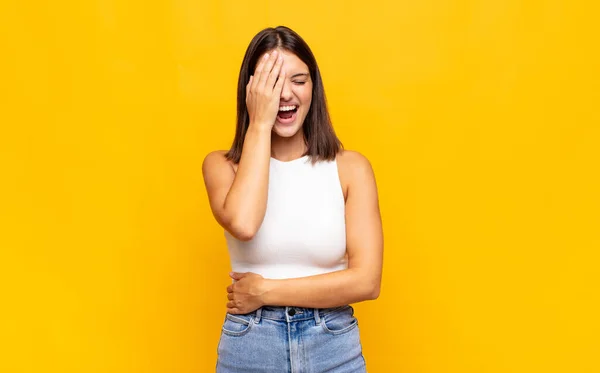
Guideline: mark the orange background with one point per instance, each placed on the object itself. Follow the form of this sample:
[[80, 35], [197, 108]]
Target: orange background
[[481, 121]]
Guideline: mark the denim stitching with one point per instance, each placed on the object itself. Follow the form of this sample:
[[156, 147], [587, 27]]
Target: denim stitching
[[238, 320]]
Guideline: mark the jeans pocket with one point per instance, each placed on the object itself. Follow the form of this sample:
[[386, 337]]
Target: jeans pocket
[[339, 320], [237, 325]]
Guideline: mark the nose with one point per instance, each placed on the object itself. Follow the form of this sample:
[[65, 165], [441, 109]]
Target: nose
[[286, 91]]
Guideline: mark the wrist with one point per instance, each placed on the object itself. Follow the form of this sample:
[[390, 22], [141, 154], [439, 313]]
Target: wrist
[[266, 297], [260, 127]]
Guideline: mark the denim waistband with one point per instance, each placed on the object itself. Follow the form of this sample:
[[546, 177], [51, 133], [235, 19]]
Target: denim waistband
[[292, 313]]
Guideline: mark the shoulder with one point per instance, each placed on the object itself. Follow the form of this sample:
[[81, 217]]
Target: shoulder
[[216, 161], [353, 169], [353, 162]]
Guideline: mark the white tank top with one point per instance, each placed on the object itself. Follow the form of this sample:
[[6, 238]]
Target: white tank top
[[304, 229]]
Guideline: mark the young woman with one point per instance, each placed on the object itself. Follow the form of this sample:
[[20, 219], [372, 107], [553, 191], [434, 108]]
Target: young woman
[[301, 220]]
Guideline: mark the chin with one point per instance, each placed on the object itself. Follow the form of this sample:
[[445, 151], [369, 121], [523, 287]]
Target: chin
[[285, 131]]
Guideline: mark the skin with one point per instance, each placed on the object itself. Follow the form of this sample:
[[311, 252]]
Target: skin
[[238, 195]]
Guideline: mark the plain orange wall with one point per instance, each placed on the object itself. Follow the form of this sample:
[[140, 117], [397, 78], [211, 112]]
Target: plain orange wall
[[481, 121]]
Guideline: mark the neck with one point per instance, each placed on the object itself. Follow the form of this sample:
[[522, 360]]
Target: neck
[[288, 148]]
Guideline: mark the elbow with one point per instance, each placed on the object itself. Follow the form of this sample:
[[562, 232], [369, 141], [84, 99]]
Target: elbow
[[366, 285], [371, 290], [244, 235], [243, 232], [240, 223]]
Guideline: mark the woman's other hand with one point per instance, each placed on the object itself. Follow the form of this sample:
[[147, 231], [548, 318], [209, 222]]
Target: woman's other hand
[[246, 293], [264, 90]]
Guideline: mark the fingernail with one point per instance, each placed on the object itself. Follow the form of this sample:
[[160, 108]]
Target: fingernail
[[266, 56]]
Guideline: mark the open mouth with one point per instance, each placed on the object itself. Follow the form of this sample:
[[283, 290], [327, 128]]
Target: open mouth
[[287, 114]]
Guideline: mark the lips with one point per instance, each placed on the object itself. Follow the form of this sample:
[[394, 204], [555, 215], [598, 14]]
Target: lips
[[287, 114]]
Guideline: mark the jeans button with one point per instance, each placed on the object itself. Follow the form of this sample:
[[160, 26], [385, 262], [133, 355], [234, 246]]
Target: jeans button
[[291, 312]]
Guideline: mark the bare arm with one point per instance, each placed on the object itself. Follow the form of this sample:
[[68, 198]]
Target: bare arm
[[238, 200], [364, 240]]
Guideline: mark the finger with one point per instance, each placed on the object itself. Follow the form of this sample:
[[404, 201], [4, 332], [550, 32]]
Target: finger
[[279, 85], [237, 275], [258, 70], [233, 311], [275, 72], [230, 296], [266, 71], [231, 304], [230, 289]]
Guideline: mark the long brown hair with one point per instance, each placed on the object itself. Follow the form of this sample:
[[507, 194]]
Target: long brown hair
[[320, 138]]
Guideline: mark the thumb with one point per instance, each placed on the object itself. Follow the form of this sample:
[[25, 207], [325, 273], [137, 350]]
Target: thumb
[[236, 276]]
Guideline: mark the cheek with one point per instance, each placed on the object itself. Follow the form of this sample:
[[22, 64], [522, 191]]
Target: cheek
[[306, 94]]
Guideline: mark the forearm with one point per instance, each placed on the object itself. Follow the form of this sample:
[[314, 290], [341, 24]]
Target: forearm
[[322, 291], [246, 202]]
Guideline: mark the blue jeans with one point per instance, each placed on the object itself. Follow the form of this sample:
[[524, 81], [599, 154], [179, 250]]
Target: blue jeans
[[291, 340]]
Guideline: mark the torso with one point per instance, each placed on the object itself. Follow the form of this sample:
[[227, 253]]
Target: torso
[[343, 163], [303, 231]]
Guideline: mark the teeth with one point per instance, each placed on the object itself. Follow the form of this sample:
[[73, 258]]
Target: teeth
[[287, 108]]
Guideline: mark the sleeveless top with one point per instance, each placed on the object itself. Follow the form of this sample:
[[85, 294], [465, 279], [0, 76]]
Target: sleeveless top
[[304, 229]]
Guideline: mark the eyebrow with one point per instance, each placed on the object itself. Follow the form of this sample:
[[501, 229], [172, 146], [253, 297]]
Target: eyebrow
[[299, 74]]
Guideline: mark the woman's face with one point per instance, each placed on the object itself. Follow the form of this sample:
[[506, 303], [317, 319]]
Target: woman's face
[[296, 94]]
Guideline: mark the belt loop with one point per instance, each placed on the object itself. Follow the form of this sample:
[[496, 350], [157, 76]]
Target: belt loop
[[257, 315], [317, 316]]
